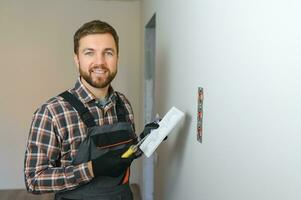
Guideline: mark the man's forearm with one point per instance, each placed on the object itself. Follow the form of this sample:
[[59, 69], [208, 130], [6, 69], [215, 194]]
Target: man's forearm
[[57, 178]]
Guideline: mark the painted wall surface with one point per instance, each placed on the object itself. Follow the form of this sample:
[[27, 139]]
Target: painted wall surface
[[37, 63], [247, 56]]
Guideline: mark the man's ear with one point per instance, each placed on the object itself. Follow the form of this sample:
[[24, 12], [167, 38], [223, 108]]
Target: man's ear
[[76, 60]]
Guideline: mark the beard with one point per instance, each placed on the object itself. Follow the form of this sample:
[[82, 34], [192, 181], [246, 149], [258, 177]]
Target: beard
[[98, 82]]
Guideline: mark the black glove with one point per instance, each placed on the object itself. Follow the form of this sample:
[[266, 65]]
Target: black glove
[[110, 164], [147, 129]]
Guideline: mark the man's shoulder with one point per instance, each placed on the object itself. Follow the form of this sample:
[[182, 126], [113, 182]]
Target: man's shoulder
[[54, 106], [122, 97], [125, 101]]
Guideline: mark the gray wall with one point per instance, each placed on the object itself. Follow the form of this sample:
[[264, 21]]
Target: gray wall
[[37, 62], [247, 56]]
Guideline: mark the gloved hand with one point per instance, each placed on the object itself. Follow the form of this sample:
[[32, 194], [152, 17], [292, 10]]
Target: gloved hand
[[111, 164], [147, 129]]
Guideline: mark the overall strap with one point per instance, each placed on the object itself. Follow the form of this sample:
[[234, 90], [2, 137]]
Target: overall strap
[[84, 113], [120, 110]]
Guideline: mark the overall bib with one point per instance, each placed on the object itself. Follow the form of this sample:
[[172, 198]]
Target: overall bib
[[100, 140]]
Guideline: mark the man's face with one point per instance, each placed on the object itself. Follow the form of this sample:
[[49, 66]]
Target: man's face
[[97, 59]]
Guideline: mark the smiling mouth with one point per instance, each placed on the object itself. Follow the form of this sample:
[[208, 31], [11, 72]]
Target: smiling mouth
[[98, 71]]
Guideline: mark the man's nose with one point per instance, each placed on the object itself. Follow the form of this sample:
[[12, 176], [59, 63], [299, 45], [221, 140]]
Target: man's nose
[[99, 59]]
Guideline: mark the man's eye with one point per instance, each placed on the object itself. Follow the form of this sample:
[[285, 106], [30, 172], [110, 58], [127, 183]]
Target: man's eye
[[109, 53], [89, 53]]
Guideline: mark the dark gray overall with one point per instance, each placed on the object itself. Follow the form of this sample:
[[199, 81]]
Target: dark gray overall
[[99, 141]]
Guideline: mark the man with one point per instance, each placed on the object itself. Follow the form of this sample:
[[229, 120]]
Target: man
[[77, 138]]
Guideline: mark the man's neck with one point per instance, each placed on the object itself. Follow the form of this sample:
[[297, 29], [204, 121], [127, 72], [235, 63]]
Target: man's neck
[[99, 93]]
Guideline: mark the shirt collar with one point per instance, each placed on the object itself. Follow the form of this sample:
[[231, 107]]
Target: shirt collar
[[86, 96]]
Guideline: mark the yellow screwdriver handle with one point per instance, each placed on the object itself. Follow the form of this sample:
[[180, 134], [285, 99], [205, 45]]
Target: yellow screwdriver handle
[[129, 152], [132, 149]]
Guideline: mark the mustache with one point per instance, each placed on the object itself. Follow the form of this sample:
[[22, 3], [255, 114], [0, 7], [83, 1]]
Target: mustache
[[98, 67]]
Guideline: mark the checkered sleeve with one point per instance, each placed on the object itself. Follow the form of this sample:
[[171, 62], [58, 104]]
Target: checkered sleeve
[[42, 169]]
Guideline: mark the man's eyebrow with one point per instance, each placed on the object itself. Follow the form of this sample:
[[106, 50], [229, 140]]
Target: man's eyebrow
[[109, 49], [88, 49]]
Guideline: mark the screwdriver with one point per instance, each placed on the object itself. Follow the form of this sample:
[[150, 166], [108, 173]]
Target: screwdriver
[[133, 149]]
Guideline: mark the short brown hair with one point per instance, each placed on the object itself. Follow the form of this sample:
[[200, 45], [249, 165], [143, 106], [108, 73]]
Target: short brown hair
[[94, 27]]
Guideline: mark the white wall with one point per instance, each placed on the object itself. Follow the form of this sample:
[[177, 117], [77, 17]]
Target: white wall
[[37, 63], [247, 56]]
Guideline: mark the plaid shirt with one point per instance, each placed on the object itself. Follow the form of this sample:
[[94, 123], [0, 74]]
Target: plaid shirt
[[55, 135]]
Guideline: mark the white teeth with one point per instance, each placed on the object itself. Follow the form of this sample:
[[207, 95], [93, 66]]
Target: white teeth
[[99, 71]]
